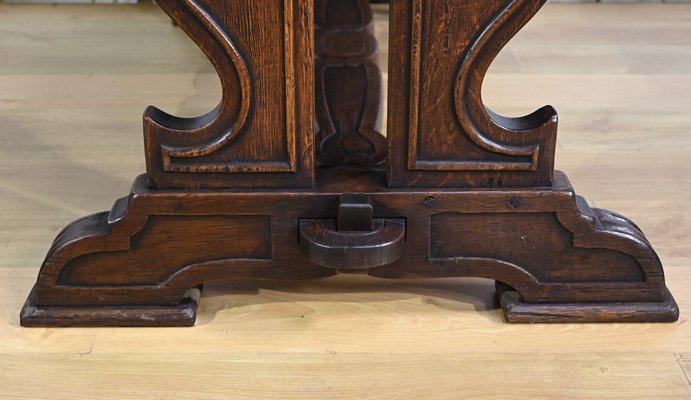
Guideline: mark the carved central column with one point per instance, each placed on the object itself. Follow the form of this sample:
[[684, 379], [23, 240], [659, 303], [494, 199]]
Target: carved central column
[[348, 85]]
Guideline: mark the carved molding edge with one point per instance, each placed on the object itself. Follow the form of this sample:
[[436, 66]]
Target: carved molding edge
[[221, 113], [225, 123], [519, 137]]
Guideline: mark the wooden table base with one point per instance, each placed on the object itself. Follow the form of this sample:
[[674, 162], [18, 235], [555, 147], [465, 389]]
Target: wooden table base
[[256, 190], [132, 266]]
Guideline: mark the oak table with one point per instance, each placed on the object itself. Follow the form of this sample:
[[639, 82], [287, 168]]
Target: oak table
[[289, 177]]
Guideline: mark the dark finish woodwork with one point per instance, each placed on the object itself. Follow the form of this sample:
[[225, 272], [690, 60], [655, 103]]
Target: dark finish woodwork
[[355, 213], [182, 314], [547, 245], [517, 311], [353, 250], [261, 133], [441, 133], [236, 195], [348, 85], [355, 240]]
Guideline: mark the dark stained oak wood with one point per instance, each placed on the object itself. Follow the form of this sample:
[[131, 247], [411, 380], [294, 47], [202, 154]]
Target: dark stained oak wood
[[441, 133], [237, 194], [261, 133], [353, 250], [182, 314], [348, 85], [547, 245], [355, 240], [515, 310]]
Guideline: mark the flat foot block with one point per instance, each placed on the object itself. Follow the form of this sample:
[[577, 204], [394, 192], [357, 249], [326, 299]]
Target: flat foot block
[[517, 311], [183, 314]]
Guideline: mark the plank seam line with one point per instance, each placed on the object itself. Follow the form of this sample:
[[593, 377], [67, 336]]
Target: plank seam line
[[676, 357]]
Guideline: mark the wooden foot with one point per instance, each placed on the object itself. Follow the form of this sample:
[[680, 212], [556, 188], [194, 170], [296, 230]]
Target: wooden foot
[[182, 314], [134, 265], [517, 311]]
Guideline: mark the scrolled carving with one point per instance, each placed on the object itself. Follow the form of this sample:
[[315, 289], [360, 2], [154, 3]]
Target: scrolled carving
[[442, 132], [215, 121], [261, 132], [498, 134], [233, 73]]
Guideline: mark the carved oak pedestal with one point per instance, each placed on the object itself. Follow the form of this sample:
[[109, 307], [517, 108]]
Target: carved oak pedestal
[[288, 178]]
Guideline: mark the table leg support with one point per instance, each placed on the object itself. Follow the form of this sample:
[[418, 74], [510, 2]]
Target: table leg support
[[557, 259], [236, 195]]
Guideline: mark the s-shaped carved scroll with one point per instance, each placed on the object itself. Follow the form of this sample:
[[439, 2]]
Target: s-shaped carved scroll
[[348, 85], [448, 137], [261, 132], [228, 118]]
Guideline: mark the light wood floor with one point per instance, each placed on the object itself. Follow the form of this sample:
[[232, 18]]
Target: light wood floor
[[74, 81]]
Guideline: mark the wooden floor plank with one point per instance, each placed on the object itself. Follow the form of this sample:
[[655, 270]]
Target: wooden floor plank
[[347, 376], [350, 315]]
